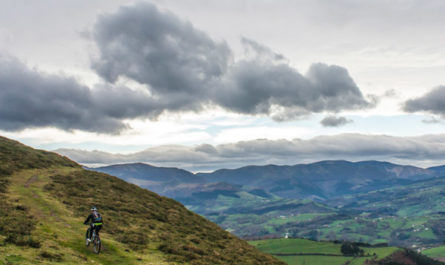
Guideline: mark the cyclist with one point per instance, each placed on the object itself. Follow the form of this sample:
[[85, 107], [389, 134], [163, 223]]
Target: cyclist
[[96, 223]]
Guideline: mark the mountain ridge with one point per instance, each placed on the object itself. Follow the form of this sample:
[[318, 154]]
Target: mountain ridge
[[319, 180]]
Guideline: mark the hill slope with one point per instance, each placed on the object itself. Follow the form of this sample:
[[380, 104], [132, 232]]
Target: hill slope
[[45, 197]]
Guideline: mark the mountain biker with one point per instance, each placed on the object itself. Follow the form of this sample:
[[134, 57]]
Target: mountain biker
[[96, 223]]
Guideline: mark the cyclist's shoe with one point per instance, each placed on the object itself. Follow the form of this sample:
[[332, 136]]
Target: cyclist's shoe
[[88, 241]]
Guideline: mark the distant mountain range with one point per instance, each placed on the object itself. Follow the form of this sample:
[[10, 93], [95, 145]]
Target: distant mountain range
[[162, 180], [322, 180], [367, 201]]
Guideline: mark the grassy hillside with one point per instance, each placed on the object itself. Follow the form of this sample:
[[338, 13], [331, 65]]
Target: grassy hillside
[[251, 216], [45, 198]]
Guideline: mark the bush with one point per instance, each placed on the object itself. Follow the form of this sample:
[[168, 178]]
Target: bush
[[351, 249], [51, 256]]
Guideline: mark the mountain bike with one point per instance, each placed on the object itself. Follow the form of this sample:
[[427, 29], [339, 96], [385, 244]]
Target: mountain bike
[[95, 238]]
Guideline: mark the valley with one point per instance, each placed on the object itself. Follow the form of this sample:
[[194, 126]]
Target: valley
[[370, 201]]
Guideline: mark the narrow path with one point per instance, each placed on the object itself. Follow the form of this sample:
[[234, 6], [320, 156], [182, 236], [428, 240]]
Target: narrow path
[[32, 179], [309, 254]]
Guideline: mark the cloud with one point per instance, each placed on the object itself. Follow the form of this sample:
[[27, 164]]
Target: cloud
[[432, 120], [158, 49], [255, 49], [333, 121], [176, 61], [179, 68], [31, 98], [422, 150], [432, 102]]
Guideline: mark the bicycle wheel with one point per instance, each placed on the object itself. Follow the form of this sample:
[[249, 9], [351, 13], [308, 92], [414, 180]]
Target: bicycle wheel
[[97, 245], [87, 243]]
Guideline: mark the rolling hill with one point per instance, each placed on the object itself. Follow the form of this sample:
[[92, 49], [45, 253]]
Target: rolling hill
[[171, 182], [322, 180], [45, 197]]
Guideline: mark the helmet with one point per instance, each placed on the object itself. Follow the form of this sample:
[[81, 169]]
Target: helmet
[[93, 208]]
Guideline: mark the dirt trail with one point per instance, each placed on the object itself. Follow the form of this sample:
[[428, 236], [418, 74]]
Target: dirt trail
[[31, 180]]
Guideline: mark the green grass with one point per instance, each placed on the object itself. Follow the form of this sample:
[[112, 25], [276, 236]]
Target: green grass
[[437, 252], [314, 260], [304, 246], [296, 245]]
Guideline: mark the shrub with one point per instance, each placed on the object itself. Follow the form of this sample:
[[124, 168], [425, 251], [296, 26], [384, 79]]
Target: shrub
[[351, 249], [51, 256]]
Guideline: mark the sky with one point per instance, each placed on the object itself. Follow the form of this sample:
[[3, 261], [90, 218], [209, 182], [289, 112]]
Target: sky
[[206, 84]]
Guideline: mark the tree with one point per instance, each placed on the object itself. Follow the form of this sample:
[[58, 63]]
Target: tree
[[351, 249]]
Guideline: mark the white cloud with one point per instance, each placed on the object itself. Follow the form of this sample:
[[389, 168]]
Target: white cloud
[[421, 151], [261, 132]]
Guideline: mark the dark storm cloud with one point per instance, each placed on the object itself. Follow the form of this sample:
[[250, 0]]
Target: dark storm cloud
[[175, 60], [432, 102], [157, 48], [333, 121], [429, 149], [256, 87], [29, 98]]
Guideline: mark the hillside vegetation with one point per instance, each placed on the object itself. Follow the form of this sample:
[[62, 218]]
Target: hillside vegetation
[[45, 197]]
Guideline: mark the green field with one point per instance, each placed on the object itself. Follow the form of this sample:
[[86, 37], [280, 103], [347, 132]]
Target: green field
[[302, 248], [437, 252], [296, 245], [314, 260]]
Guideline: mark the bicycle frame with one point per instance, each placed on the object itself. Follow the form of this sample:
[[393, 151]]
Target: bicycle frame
[[95, 239]]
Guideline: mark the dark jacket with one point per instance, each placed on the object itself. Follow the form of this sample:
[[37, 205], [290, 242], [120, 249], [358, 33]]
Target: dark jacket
[[95, 217]]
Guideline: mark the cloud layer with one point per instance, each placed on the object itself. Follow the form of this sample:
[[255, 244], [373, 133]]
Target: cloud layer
[[180, 69], [422, 150]]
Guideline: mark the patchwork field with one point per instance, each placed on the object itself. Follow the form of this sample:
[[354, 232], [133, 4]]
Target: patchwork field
[[307, 252]]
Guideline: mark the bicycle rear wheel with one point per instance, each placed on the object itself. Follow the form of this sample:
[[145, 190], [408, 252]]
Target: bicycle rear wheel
[[97, 245]]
